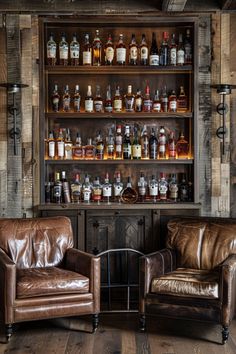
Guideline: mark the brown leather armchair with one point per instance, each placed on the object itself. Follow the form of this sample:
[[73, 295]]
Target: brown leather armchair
[[194, 277], [42, 276]]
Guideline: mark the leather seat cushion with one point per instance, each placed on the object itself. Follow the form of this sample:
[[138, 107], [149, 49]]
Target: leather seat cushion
[[49, 281], [187, 282]]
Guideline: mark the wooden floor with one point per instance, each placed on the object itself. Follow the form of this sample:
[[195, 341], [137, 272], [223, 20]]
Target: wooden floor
[[119, 334]]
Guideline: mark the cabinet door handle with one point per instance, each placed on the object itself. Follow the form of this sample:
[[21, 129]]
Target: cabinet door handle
[[117, 212], [96, 224]]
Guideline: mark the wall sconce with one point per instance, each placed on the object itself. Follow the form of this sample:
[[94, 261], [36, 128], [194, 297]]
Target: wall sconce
[[14, 110], [222, 109]]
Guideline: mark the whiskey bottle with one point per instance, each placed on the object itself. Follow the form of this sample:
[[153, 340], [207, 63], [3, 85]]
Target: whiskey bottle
[[57, 189], [164, 50], [182, 147], [55, 99], [48, 192], [60, 145], [187, 48], [147, 102], [163, 187], [153, 189], [97, 50], [98, 102], [110, 145], [133, 51], [86, 190], [89, 150], [154, 54], [162, 143], [76, 188], [88, 102], [63, 50], [142, 188], [107, 190], [68, 145], [66, 100], [118, 143], [65, 188], [182, 102], [180, 51], [117, 188], [138, 101], [164, 100], [136, 146], [109, 51], [87, 51], [144, 144], [173, 50], [51, 146], [129, 194], [143, 51], [74, 51], [97, 190], [172, 102], [172, 146], [121, 51], [99, 147], [51, 50], [156, 107], [108, 101], [117, 101], [127, 144], [173, 188], [76, 99], [153, 145], [129, 100], [78, 149], [183, 189]]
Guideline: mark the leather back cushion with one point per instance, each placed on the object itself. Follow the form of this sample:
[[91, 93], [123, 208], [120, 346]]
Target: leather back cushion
[[38, 242], [201, 244]]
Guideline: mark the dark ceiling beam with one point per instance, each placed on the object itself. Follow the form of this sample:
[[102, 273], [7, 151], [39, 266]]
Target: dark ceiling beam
[[173, 5], [228, 4]]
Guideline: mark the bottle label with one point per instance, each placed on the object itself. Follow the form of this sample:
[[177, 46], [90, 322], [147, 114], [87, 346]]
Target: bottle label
[[144, 53], [55, 101], [117, 190], [120, 55], [78, 152], [153, 190], [142, 190], [154, 59], [52, 51], [86, 195], [98, 105], [89, 153], [138, 104], [163, 191], [134, 53], [74, 51], [106, 191], [172, 150], [109, 54], [88, 105], [173, 56], [108, 107], [117, 105], [180, 57], [51, 149], [173, 105], [57, 190], [87, 58], [118, 147], [136, 151], [156, 107], [147, 105], [153, 151], [129, 104], [66, 104], [127, 150], [63, 52], [68, 151], [60, 148], [173, 188], [97, 193]]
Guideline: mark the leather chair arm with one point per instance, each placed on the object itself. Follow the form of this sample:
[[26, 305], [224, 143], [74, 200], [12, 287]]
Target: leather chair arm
[[7, 286], [228, 289], [154, 265]]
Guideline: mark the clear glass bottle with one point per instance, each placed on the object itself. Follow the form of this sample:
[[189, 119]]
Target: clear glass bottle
[[51, 146], [143, 51], [107, 190], [60, 145], [173, 50], [57, 189], [156, 107], [97, 190], [68, 145], [129, 194], [98, 101], [172, 146], [180, 51], [121, 51], [86, 190], [154, 53], [153, 145], [118, 143], [66, 99], [188, 55], [76, 188], [127, 144], [76, 99], [63, 50], [129, 100], [88, 102], [117, 101], [147, 101], [87, 51], [108, 101], [145, 144], [138, 101], [142, 188], [99, 147], [109, 51], [172, 102], [74, 51], [55, 99], [110, 145], [173, 188], [133, 51], [182, 102], [164, 49], [51, 51], [97, 50], [163, 187], [162, 143], [89, 150], [153, 189], [117, 188], [182, 147], [136, 146], [78, 149], [65, 188]]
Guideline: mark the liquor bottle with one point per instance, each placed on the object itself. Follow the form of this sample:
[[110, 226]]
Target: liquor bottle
[[147, 102], [55, 99], [129, 194], [127, 144], [129, 100], [138, 101], [65, 188], [182, 102], [99, 147], [68, 145], [66, 100], [87, 51], [154, 55], [173, 188], [109, 51], [144, 144], [97, 190], [133, 51], [163, 187], [117, 101], [162, 143], [164, 100], [97, 50], [153, 145], [108, 101], [183, 189], [143, 51], [172, 146], [89, 150], [48, 192], [51, 146], [121, 51], [172, 102], [74, 51], [88, 102], [164, 49], [76, 99], [76, 188], [86, 190], [51, 50], [136, 146], [110, 145], [153, 189], [156, 107], [78, 149], [182, 147], [173, 51], [63, 50], [57, 189], [190, 191], [180, 51], [117, 187], [98, 102], [60, 145], [118, 143], [142, 188], [107, 190], [187, 48]]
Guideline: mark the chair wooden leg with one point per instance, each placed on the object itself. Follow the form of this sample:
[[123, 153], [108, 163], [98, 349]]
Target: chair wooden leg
[[142, 323], [9, 331], [225, 334], [95, 322]]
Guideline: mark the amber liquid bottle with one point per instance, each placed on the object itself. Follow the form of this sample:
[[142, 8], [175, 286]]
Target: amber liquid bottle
[[55, 99], [97, 50], [87, 51], [133, 51], [121, 51], [109, 51]]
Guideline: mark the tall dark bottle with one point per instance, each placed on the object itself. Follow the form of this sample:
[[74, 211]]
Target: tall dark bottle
[[154, 54], [164, 50]]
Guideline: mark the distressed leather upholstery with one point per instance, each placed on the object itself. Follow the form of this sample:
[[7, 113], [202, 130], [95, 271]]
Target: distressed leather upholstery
[[195, 276], [42, 275]]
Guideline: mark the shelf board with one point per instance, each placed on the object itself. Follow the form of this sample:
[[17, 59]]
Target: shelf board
[[118, 70], [121, 115], [123, 162]]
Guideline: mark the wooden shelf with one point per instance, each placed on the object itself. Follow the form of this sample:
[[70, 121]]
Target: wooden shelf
[[123, 162], [121, 115]]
